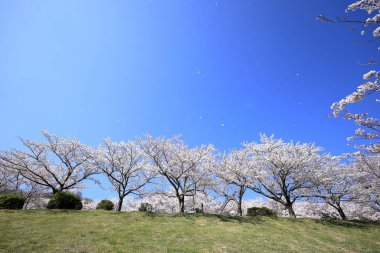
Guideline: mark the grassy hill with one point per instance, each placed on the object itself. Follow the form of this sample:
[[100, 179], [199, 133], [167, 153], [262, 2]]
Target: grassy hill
[[101, 231]]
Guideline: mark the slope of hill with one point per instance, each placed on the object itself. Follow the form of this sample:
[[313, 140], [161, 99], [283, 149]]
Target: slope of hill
[[101, 231]]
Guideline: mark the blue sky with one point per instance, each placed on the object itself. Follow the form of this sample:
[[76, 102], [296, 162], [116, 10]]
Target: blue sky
[[216, 72]]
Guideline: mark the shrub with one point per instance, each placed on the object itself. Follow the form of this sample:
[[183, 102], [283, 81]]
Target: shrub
[[198, 210], [328, 216], [105, 205], [261, 211], [65, 200], [145, 207], [11, 201]]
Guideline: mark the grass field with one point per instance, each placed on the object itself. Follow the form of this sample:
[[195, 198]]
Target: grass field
[[101, 231]]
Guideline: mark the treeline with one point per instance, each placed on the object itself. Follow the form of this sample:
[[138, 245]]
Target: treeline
[[288, 174]]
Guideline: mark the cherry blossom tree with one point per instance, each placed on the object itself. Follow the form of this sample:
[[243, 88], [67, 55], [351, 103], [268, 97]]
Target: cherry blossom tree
[[184, 170], [58, 163], [372, 7], [233, 171], [125, 166], [334, 183], [9, 180], [368, 178], [368, 131], [369, 127], [282, 170], [12, 181]]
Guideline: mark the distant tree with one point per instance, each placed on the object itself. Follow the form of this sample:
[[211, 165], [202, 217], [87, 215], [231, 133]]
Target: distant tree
[[368, 177], [234, 171], [334, 183], [125, 166], [10, 181], [58, 164], [282, 170], [184, 170]]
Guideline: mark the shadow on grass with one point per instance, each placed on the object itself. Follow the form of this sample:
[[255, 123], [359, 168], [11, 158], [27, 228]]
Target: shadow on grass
[[223, 218], [9, 211], [362, 224], [242, 219], [43, 211]]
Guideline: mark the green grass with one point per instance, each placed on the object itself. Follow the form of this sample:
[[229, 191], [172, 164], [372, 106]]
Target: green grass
[[102, 231]]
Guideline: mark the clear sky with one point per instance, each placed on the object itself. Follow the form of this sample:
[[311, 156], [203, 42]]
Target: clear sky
[[215, 71]]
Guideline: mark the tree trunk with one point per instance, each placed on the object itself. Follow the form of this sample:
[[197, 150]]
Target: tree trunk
[[291, 212], [240, 200], [120, 204], [336, 205], [341, 213], [240, 210], [181, 202]]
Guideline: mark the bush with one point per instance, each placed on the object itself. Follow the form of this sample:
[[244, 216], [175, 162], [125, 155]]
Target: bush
[[65, 200], [11, 201], [261, 211], [105, 205], [328, 216], [146, 207]]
